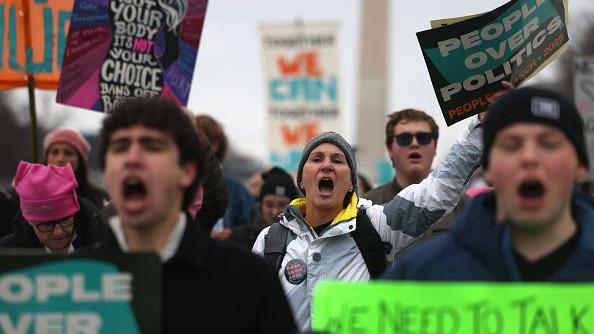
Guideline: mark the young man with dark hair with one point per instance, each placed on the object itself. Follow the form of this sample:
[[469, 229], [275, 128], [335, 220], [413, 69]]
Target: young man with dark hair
[[534, 226], [153, 163], [411, 141]]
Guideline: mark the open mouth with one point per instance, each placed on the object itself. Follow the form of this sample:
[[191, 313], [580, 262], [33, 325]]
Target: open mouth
[[414, 155], [531, 189], [134, 189], [325, 185]]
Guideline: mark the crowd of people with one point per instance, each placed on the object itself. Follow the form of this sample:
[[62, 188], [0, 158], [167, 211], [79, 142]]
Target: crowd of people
[[239, 262]]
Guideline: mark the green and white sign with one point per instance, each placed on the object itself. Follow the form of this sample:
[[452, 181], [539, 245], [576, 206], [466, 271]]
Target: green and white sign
[[467, 58], [453, 308], [80, 295]]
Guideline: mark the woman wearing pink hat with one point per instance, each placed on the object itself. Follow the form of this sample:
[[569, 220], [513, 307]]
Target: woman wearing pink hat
[[51, 216], [67, 145]]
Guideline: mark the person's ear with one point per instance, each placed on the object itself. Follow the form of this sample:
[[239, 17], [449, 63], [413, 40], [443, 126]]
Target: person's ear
[[190, 172], [487, 175], [581, 173], [389, 150]]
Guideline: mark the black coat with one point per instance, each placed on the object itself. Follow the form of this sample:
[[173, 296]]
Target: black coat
[[8, 208], [88, 224], [213, 287], [245, 235]]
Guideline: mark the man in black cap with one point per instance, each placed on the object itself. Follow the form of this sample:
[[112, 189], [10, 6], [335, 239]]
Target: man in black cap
[[277, 191], [534, 226]]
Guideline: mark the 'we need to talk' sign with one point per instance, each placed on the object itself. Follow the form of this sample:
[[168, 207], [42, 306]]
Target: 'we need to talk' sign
[[453, 308]]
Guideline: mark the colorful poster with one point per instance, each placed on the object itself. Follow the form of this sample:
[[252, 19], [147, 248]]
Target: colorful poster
[[80, 294], [453, 308], [302, 86], [33, 40], [121, 49], [583, 89], [468, 57]]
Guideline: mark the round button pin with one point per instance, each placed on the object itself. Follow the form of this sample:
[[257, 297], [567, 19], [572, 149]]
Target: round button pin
[[296, 271], [317, 256]]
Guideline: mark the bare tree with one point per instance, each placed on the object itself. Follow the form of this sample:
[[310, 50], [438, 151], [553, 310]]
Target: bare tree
[[581, 43], [16, 134]]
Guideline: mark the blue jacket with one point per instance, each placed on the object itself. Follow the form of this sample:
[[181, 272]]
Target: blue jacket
[[241, 204], [478, 249]]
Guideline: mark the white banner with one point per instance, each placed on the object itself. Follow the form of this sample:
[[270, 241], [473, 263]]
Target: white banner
[[302, 87], [583, 88]]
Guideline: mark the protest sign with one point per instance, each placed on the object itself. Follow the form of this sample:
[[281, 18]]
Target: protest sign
[[38, 52], [452, 308], [80, 294], [302, 85], [583, 89], [451, 20], [121, 49], [468, 57]]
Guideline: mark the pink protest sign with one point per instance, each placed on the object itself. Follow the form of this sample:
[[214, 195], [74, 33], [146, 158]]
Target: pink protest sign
[[117, 49]]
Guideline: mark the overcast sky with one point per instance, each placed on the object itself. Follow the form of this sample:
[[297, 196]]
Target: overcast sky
[[228, 79]]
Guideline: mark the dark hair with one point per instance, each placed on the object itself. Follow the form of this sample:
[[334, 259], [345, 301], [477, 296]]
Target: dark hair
[[213, 130], [162, 115], [409, 115], [86, 188]]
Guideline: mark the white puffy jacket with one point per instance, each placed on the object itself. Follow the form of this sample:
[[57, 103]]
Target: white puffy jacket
[[334, 255]]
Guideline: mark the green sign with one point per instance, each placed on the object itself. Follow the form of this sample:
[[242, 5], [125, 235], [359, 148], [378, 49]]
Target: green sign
[[450, 308], [468, 59], [80, 294]]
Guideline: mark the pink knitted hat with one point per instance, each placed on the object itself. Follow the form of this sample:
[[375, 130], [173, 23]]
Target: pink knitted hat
[[474, 192], [69, 136], [47, 193]]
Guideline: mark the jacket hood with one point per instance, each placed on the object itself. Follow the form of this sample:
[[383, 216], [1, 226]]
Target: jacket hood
[[477, 230], [347, 213]]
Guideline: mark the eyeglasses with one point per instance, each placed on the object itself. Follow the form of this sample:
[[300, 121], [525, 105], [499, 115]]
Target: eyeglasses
[[405, 138], [49, 226]]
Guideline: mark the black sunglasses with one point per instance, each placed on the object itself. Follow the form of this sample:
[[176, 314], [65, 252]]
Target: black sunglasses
[[49, 226], [405, 138]]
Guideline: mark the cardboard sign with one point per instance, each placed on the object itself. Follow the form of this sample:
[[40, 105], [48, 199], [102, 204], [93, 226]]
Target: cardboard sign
[[78, 294], [302, 85], [452, 308], [122, 49], [583, 89], [48, 22], [468, 57]]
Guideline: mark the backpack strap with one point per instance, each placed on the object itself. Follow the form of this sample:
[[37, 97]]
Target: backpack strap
[[370, 245], [275, 244]]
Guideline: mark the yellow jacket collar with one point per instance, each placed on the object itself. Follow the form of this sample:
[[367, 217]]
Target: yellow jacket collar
[[347, 213]]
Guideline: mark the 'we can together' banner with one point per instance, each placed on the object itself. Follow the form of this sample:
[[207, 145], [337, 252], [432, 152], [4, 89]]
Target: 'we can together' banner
[[302, 87]]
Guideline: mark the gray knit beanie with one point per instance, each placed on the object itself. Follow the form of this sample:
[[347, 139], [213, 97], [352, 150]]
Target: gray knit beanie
[[331, 138]]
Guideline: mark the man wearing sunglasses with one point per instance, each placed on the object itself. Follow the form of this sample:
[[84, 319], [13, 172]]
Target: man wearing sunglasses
[[534, 226], [411, 140], [51, 216]]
